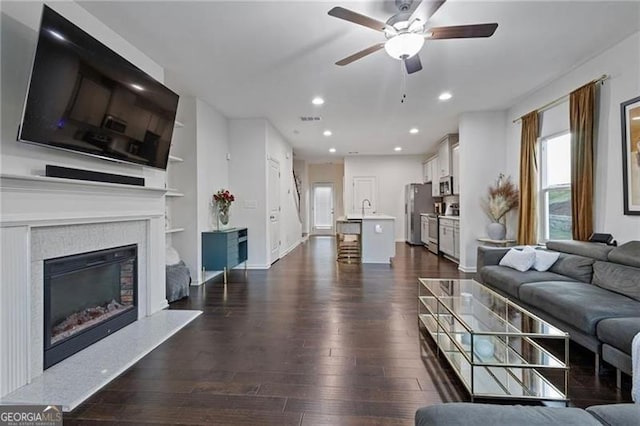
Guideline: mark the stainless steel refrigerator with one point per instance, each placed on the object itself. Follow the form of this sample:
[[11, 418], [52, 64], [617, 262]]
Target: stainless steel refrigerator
[[418, 199]]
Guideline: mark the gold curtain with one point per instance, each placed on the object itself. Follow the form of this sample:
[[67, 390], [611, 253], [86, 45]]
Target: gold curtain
[[581, 111], [527, 216]]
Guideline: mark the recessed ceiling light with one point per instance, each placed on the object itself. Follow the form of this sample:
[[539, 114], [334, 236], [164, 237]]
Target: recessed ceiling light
[[137, 86], [317, 100], [445, 96], [57, 35], [397, 148], [332, 150], [413, 131], [636, 118], [327, 133]]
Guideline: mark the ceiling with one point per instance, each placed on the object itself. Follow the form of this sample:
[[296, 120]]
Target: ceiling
[[270, 58]]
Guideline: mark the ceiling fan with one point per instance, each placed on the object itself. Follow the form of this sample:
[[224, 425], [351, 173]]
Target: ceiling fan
[[406, 31]]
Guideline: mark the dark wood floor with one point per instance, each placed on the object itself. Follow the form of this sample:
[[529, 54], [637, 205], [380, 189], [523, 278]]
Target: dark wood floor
[[307, 342]]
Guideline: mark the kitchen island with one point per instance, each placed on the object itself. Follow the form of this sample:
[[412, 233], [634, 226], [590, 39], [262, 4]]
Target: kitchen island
[[377, 236]]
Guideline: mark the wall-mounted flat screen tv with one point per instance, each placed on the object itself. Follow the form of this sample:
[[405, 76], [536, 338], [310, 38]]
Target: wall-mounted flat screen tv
[[86, 98]]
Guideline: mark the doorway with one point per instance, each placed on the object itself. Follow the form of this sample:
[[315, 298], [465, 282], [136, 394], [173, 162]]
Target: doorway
[[323, 209]]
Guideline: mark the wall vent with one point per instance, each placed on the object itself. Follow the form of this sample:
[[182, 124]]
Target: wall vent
[[353, 153], [310, 118]]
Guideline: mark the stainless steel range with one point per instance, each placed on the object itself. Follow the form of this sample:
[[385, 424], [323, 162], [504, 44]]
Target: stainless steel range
[[433, 233]]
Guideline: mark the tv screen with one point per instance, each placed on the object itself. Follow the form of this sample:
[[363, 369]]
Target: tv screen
[[84, 97]]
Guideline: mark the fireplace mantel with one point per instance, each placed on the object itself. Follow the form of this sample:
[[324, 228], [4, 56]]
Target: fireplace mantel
[[41, 201], [44, 217]]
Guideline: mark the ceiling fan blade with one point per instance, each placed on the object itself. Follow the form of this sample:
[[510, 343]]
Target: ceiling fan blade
[[461, 31], [360, 54], [356, 18], [413, 64], [425, 9]]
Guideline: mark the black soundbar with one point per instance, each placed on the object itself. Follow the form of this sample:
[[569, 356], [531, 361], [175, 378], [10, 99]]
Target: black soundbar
[[79, 174]]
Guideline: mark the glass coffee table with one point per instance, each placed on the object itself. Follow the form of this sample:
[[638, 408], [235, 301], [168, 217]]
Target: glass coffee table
[[492, 343]]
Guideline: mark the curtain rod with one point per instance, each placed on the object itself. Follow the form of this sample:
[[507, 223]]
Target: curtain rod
[[563, 98]]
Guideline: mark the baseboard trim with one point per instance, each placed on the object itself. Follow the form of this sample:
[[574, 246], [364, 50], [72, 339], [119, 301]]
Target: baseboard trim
[[470, 270], [290, 249], [254, 266]]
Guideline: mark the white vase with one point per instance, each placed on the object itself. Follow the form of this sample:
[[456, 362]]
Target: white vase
[[483, 347], [496, 231]]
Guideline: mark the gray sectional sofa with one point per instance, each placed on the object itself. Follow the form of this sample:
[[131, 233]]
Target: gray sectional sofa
[[592, 292], [466, 414]]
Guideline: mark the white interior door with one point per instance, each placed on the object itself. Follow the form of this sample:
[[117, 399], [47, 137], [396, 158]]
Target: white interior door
[[323, 208], [274, 209], [364, 188]]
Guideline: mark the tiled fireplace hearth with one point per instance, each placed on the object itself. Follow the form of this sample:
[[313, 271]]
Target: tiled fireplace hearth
[[45, 219]]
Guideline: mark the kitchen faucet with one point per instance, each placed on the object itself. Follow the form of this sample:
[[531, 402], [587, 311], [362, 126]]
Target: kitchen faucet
[[368, 202]]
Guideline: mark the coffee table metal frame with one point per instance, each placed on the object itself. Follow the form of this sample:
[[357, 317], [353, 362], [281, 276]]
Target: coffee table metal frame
[[453, 319]]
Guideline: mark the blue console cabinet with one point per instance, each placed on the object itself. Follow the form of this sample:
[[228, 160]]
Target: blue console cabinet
[[224, 249]]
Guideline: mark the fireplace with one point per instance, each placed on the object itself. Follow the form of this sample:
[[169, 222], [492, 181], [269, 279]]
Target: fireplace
[[87, 297]]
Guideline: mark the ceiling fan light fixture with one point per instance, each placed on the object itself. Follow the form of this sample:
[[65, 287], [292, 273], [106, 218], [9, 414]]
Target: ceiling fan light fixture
[[404, 45]]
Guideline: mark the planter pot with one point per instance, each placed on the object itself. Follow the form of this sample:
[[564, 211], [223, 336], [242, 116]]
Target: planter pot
[[496, 231]]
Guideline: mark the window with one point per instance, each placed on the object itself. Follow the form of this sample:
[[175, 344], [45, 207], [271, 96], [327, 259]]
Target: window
[[555, 187]]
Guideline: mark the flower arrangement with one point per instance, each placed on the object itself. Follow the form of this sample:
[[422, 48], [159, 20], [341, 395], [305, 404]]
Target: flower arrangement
[[502, 198], [222, 201]]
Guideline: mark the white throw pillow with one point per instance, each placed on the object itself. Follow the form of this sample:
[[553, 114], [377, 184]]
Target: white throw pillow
[[545, 260], [171, 256], [521, 260]]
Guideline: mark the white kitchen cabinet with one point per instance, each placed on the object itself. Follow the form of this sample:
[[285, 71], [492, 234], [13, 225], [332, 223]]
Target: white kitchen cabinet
[[426, 172], [446, 240], [455, 169], [456, 240], [424, 229], [444, 154], [435, 177], [450, 238]]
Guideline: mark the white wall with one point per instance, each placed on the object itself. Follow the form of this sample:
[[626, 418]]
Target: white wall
[[212, 165], [290, 225], [482, 158], [248, 182], [327, 173], [622, 63], [392, 173], [19, 26]]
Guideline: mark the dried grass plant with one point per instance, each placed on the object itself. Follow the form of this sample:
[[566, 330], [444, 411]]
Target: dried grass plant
[[503, 197]]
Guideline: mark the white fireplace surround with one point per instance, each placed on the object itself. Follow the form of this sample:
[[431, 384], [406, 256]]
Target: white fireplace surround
[[44, 218]]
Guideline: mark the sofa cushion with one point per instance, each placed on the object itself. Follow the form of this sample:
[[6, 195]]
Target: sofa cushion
[[619, 332], [627, 254], [520, 260], [545, 260], [578, 304], [582, 248], [467, 414], [579, 268], [619, 278], [509, 280], [616, 414]]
